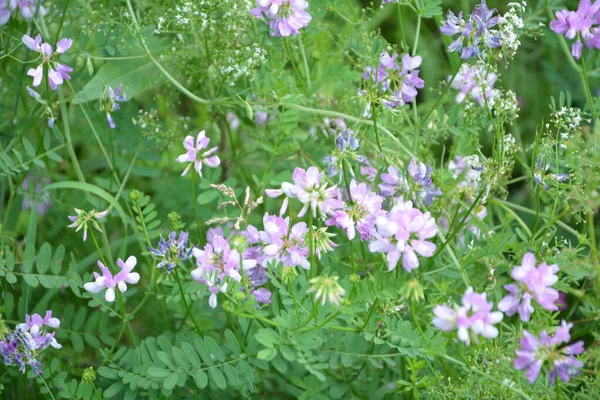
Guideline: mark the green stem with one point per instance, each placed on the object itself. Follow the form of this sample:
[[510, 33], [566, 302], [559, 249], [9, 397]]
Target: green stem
[[417, 34], [442, 96], [294, 65], [45, 384], [376, 130], [187, 307], [305, 62], [194, 201]]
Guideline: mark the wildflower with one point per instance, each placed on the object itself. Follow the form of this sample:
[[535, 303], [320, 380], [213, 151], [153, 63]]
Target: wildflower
[[110, 102], [474, 317], [258, 277], [322, 241], [171, 251], [540, 175], [475, 81], [579, 24], [309, 188], [535, 353], [22, 346], [286, 17], [109, 282], [359, 213], [33, 195], [402, 234], [196, 155], [27, 9], [57, 72], [392, 84], [393, 183], [468, 169], [82, 219], [326, 288], [284, 243], [531, 284], [473, 34], [420, 187], [217, 262]]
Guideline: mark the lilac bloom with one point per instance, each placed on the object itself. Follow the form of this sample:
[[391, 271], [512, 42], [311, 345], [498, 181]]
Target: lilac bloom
[[285, 17], [34, 323], [27, 8], [473, 34], [358, 212], [535, 353], [284, 243], [425, 190], [172, 251], [110, 102], [474, 317], [310, 188], [394, 183], [579, 25], [196, 154], [108, 282], [532, 283], [403, 233], [476, 82], [4, 12], [57, 72]]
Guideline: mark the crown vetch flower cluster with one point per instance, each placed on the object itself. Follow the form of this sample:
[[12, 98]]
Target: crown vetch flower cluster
[[57, 72], [474, 35], [22, 346], [580, 24], [474, 317], [26, 8], [560, 361], [390, 83], [475, 81], [281, 242], [531, 284], [172, 250], [108, 282], [403, 233], [285, 17], [420, 187], [196, 154]]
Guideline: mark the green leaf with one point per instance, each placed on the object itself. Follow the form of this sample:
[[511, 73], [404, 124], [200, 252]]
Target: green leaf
[[207, 197], [232, 342], [266, 354], [214, 349], [267, 337], [171, 381], [201, 379], [43, 258], [135, 75], [158, 372], [181, 358], [191, 354], [218, 377]]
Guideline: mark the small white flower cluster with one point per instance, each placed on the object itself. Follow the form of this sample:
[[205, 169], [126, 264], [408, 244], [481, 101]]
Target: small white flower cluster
[[507, 104], [566, 120], [510, 144], [509, 29]]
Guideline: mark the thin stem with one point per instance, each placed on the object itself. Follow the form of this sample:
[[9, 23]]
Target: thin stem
[[187, 307], [417, 34], [294, 65], [45, 384], [305, 62], [376, 130], [442, 96], [194, 202]]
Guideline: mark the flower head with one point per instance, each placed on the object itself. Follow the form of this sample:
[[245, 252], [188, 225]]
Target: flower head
[[281, 242], [108, 282], [474, 317], [475, 81], [57, 72], [172, 250], [285, 17], [560, 361], [532, 283], [403, 233], [580, 25], [326, 288], [110, 102], [82, 219], [196, 154], [418, 185]]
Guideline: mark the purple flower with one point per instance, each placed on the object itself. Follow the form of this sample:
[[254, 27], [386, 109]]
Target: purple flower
[[26, 7], [172, 251], [420, 187], [57, 72], [474, 317], [310, 188], [217, 262], [579, 24], [33, 195], [474, 34], [403, 233], [34, 323], [4, 12], [531, 284], [358, 212], [258, 277], [284, 243], [108, 282], [196, 155], [110, 102], [561, 362], [286, 17], [475, 81]]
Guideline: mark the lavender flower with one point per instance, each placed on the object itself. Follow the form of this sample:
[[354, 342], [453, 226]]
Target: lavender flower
[[474, 34], [110, 102], [196, 155], [172, 251], [285, 17], [108, 282], [477, 82], [310, 189], [403, 233], [579, 24], [258, 277], [359, 213], [217, 262], [531, 284], [474, 317], [26, 7], [420, 187], [22, 346], [33, 195], [535, 353], [82, 219], [57, 72], [284, 243]]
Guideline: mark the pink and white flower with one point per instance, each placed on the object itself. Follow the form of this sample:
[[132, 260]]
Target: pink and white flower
[[196, 154], [57, 73], [108, 282]]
